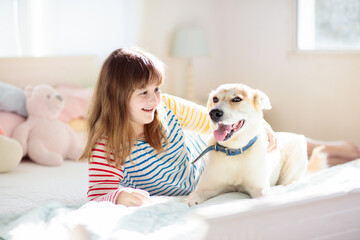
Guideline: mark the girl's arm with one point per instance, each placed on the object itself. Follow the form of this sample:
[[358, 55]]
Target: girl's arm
[[104, 180], [192, 116], [271, 137]]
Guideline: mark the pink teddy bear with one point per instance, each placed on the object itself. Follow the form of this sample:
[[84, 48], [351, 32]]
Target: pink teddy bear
[[43, 137]]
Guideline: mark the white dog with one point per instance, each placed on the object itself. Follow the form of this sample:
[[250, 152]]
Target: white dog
[[239, 160]]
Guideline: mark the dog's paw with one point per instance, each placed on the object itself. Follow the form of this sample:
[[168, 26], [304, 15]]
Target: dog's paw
[[266, 193], [193, 199], [259, 192]]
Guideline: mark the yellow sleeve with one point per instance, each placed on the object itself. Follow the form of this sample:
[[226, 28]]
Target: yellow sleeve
[[192, 116]]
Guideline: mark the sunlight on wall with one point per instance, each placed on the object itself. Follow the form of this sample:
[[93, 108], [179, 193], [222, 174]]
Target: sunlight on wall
[[58, 28]]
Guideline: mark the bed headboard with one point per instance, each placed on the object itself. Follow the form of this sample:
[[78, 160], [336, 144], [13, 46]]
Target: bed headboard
[[22, 71]]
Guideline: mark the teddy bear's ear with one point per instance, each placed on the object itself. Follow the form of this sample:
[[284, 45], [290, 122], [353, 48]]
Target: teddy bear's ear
[[28, 90], [261, 100]]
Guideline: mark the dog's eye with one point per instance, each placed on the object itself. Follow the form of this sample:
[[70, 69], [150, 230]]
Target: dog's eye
[[215, 99], [236, 99]]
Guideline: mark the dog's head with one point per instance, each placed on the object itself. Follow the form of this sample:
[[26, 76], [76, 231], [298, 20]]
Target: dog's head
[[235, 108]]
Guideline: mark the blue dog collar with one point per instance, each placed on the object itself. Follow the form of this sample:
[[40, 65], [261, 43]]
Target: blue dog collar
[[227, 151]]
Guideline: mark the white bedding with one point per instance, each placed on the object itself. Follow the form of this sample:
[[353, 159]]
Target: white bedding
[[31, 185], [324, 204]]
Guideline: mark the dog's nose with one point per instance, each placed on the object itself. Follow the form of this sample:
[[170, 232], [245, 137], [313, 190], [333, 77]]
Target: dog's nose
[[216, 114]]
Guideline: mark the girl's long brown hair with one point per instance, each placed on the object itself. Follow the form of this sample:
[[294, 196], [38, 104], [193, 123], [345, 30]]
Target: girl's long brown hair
[[122, 72]]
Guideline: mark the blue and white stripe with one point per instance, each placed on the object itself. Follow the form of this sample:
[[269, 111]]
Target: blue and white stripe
[[170, 172]]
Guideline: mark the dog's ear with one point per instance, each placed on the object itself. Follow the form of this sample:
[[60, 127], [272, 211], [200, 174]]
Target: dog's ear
[[210, 103], [261, 100]]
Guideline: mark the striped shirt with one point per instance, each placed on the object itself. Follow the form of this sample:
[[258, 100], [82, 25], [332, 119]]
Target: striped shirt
[[167, 173]]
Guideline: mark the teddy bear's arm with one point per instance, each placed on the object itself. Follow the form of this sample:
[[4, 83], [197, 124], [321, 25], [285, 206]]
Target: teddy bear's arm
[[21, 134], [76, 144]]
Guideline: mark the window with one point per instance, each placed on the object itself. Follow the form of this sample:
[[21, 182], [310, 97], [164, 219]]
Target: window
[[328, 25]]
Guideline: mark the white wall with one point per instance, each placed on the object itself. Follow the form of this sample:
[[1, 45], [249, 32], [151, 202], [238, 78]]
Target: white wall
[[253, 42]]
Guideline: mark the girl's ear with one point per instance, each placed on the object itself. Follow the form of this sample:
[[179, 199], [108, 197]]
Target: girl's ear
[[261, 100]]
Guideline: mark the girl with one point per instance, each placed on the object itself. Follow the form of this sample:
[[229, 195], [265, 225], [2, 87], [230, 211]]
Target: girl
[[141, 142]]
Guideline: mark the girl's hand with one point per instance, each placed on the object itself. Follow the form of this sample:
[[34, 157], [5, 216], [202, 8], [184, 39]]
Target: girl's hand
[[131, 197], [272, 140]]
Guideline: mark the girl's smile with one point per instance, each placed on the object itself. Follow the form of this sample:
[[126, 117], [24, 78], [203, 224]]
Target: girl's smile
[[142, 106], [148, 109]]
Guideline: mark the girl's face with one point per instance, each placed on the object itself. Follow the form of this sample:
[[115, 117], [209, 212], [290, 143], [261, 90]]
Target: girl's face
[[142, 105]]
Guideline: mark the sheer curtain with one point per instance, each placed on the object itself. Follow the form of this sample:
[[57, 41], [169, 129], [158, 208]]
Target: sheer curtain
[[329, 25], [67, 27]]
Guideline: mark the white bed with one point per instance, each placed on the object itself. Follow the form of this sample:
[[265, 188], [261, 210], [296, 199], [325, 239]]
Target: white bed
[[31, 185], [38, 202], [49, 203]]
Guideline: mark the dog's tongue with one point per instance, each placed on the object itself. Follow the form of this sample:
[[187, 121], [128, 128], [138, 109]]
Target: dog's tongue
[[221, 132]]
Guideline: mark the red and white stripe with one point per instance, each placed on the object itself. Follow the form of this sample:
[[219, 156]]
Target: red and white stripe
[[104, 179]]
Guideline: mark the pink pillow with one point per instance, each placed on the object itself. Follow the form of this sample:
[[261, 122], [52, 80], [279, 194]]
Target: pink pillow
[[9, 121], [77, 100]]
